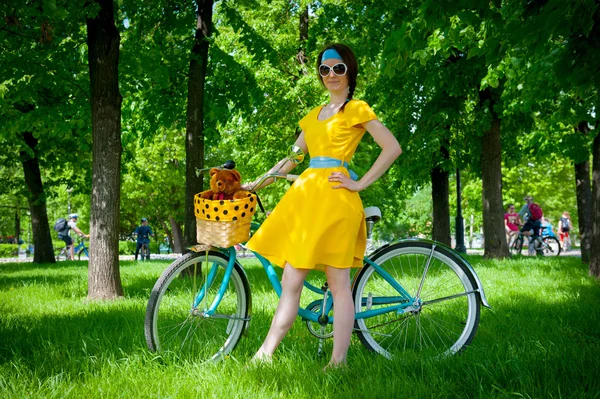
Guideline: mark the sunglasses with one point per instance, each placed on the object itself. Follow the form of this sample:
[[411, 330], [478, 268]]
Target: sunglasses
[[338, 69]]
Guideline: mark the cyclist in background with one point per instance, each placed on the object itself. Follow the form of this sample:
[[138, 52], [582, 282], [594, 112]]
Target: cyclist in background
[[143, 233], [564, 227], [65, 235], [532, 225]]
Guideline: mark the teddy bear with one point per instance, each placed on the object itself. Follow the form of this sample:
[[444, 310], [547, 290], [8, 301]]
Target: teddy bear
[[225, 184]]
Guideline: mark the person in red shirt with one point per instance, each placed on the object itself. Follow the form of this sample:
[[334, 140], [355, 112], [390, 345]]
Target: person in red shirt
[[512, 221]]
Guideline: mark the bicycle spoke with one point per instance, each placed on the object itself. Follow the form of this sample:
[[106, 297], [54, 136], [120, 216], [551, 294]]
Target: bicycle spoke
[[172, 326], [445, 316]]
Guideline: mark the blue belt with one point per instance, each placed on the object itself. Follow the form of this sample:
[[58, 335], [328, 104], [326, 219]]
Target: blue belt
[[327, 162]]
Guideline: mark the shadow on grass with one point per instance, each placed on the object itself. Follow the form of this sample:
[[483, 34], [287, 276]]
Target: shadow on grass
[[524, 332]]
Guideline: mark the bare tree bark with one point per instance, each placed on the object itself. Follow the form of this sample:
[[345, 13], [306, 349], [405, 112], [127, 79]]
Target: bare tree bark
[[194, 143], [495, 245], [301, 56], [595, 241], [584, 200], [177, 236], [104, 280], [42, 239], [441, 205]]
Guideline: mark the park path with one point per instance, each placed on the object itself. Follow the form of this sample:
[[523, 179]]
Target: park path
[[575, 252], [121, 257]]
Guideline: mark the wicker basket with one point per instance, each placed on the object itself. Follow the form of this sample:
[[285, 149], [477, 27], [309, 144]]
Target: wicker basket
[[223, 223]]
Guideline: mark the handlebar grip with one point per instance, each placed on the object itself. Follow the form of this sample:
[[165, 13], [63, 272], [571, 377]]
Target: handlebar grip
[[291, 177]]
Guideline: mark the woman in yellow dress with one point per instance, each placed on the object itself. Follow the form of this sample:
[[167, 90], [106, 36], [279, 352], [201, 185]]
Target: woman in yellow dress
[[319, 223]]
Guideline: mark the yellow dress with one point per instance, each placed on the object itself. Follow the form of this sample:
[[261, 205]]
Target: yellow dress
[[314, 224]]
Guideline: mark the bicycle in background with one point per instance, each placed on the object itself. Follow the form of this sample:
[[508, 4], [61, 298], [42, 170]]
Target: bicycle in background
[[80, 250], [545, 245]]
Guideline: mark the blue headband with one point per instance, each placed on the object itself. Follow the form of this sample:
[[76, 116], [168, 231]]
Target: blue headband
[[331, 53]]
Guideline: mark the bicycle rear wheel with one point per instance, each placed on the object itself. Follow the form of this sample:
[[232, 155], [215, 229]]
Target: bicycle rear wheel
[[61, 254], [174, 327], [551, 247], [447, 318]]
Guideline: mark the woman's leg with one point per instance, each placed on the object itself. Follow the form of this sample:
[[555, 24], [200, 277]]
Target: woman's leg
[[343, 310], [287, 310]]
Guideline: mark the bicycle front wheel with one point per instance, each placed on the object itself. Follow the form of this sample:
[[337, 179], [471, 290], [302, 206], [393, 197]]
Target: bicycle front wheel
[[517, 246], [551, 246], [443, 323], [83, 253], [175, 327]]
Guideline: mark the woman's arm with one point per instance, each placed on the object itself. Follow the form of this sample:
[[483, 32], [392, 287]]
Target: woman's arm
[[390, 150], [284, 167]]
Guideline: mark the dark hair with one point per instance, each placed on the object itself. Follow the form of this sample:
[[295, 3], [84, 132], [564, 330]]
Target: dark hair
[[510, 205], [350, 60]]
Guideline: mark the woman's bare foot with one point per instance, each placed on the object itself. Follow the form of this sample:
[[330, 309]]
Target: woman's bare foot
[[261, 358], [335, 365]]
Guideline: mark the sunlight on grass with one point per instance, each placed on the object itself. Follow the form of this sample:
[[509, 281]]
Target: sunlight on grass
[[541, 339]]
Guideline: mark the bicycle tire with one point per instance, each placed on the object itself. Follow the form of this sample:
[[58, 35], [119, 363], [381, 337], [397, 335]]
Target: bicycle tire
[[60, 254], [174, 328], [81, 252], [517, 246], [146, 251], [552, 247], [436, 328]]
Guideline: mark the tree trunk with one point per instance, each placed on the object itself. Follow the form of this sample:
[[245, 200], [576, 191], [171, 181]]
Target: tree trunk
[[495, 245], [42, 239], [584, 200], [441, 205], [17, 223], [301, 56], [194, 143], [104, 280], [177, 236], [584, 208], [595, 239]]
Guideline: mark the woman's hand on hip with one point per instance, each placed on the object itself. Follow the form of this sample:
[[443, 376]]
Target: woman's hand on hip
[[345, 181]]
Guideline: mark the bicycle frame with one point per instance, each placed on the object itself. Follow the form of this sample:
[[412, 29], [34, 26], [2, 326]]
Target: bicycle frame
[[65, 251], [81, 246], [400, 304], [403, 303]]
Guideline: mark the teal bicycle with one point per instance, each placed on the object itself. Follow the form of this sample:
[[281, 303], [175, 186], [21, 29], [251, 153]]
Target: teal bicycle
[[79, 251], [414, 296]]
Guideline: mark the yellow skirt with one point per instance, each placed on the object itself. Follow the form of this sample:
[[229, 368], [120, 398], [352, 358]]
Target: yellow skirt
[[314, 225]]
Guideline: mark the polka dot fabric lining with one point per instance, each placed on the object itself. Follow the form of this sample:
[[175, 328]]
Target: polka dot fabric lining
[[224, 210], [223, 223]]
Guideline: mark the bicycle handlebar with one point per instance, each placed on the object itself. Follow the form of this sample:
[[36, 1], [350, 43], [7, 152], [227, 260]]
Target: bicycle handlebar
[[288, 177]]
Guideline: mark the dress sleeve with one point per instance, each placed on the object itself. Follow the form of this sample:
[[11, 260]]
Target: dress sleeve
[[358, 112], [305, 121]]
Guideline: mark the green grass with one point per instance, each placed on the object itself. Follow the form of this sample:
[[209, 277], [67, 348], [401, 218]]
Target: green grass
[[540, 340]]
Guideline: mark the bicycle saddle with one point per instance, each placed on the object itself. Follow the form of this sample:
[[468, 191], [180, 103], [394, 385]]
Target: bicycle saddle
[[372, 214]]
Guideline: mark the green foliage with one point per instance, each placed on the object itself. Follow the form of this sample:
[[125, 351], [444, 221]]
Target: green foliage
[[422, 66], [126, 247], [9, 250]]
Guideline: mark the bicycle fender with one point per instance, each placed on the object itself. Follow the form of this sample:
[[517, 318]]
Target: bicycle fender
[[448, 251]]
